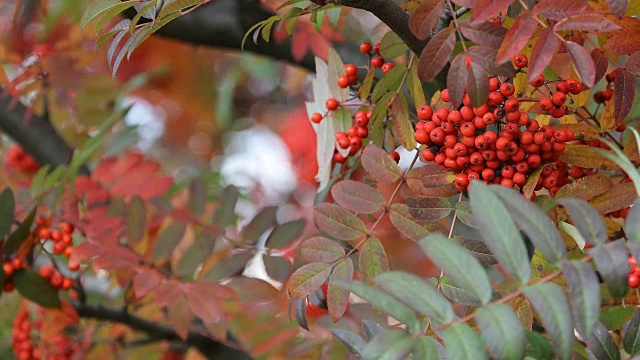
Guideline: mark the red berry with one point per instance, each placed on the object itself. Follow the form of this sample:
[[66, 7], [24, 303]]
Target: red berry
[[425, 112], [520, 61], [562, 87], [546, 104], [377, 62], [44, 234], [350, 69], [46, 271], [376, 48], [607, 94], [444, 95], [512, 105], [343, 81], [559, 98], [507, 89], [634, 281], [537, 82], [366, 47], [316, 118], [56, 279], [494, 84], [387, 67], [332, 104], [395, 156], [58, 248], [7, 267]]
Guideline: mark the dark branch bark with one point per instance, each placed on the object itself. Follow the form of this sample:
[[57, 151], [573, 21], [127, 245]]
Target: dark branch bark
[[210, 348]]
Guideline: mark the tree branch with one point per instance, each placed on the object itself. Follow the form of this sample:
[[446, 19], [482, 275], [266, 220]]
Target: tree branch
[[206, 345]]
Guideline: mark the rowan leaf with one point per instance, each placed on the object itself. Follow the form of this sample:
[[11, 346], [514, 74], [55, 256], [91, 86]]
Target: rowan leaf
[[285, 233], [459, 265], [352, 341], [586, 188], [619, 196], [586, 156], [35, 288], [392, 46], [261, 222], [478, 249], [542, 53], [319, 249], [457, 79], [517, 37], [611, 259], [195, 255], [484, 33], [225, 213], [168, 239], [633, 62], [461, 343], [307, 279], [486, 57], [618, 7], [104, 8], [477, 84], [197, 197], [338, 222], [365, 88], [391, 344], [584, 288], [499, 231], [549, 300], [415, 86], [19, 235], [389, 84], [458, 294], [7, 208], [338, 297], [538, 347], [402, 125], [587, 220], [403, 221], [486, 9], [562, 9], [426, 347], [625, 93], [373, 260], [380, 165], [417, 293], [436, 54], [582, 62], [632, 223], [428, 209], [228, 267], [631, 334], [425, 18], [601, 344], [597, 23], [502, 331]]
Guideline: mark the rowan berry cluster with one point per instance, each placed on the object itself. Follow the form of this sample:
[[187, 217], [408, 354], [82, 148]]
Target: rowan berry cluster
[[634, 273], [17, 158], [27, 344], [62, 239], [600, 97]]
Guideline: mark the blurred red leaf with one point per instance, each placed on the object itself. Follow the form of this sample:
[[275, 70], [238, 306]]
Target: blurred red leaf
[[486, 9], [517, 37], [624, 94], [145, 281], [55, 320], [486, 57], [583, 63], [338, 297], [180, 316], [105, 256], [457, 79], [542, 53], [425, 18], [167, 293], [596, 23], [562, 9], [204, 300], [600, 62], [484, 33], [436, 54], [131, 175]]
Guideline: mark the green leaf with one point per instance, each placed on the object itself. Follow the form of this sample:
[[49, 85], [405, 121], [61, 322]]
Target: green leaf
[[365, 88], [585, 294], [35, 288], [462, 343], [587, 220], [384, 302], [307, 279], [225, 213], [390, 82], [195, 255], [19, 235], [632, 222], [338, 297], [458, 294], [428, 209], [338, 222], [601, 344], [7, 208], [631, 334], [392, 344], [283, 234], [352, 341], [168, 240], [415, 87], [402, 125], [549, 300], [419, 294], [499, 231], [534, 222], [615, 317], [426, 347], [538, 347], [319, 249], [380, 165], [463, 210], [373, 260], [502, 331], [104, 8], [404, 222], [138, 16], [37, 183], [263, 221], [335, 68], [136, 220], [176, 6], [392, 46], [611, 259], [458, 264], [357, 197], [197, 197]]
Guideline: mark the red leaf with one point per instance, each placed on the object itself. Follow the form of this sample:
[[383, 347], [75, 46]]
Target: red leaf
[[425, 18], [457, 79], [562, 9], [338, 297], [436, 54], [131, 175], [357, 197], [55, 320], [486, 9], [379, 164], [484, 33], [145, 280], [204, 299], [307, 279], [597, 23], [180, 316], [338, 222], [477, 84], [601, 63], [319, 249], [624, 94], [542, 53], [517, 37], [633, 62], [466, 3], [486, 57], [583, 62], [618, 7]]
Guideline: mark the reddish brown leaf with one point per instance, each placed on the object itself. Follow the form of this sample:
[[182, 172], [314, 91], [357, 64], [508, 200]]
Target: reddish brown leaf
[[307, 279], [586, 188], [624, 94], [145, 280], [618, 7], [633, 62], [600, 62], [55, 320], [583, 63], [338, 222], [405, 223], [430, 175], [180, 316], [486, 9], [623, 43], [596, 23], [542, 53], [477, 84], [517, 37], [357, 197], [619, 196], [466, 3], [131, 175], [457, 79], [436, 54], [338, 297], [428, 209], [380, 165], [204, 299], [562, 9], [373, 260], [319, 249], [484, 33], [586, 156], [425, 18], [486, 57]]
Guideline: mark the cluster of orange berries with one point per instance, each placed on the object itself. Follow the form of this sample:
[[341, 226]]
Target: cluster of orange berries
[[634, 273], [62, 239], [27, 345], [18, 158], [600, 97]]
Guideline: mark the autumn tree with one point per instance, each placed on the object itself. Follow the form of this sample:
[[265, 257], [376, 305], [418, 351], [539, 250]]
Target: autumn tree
[[466, 179]]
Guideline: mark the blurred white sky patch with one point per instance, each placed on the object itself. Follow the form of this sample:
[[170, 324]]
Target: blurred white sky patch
[[148, 120]]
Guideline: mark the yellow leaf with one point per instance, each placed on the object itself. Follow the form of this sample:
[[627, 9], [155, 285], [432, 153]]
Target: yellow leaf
[[567, 119], [543, 119], [607, 118]]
